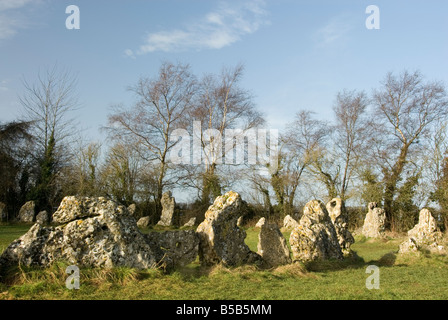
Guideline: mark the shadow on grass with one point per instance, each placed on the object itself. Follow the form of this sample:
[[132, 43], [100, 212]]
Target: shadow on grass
[[351, 262], [388, 260]]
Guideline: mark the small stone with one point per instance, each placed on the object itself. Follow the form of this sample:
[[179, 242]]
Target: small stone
[[43, 218], [289, 223], [239, 222], [168, 207], [272, 245], [374, 223], [260, 223], [144, 222], [131, 209], [27, 212], [191, 222]]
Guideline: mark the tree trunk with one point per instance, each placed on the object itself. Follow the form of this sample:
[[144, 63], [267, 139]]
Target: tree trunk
[[160, 188], [390, 188], [211, 187]]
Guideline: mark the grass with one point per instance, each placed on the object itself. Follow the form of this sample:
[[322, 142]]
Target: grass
[[10, 232], [401, 277]]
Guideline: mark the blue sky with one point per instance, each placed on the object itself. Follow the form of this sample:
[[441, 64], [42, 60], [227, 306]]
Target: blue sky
[[297, 54]]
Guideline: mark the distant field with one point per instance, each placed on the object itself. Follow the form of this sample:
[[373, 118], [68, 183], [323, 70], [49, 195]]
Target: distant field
[[409, 277]]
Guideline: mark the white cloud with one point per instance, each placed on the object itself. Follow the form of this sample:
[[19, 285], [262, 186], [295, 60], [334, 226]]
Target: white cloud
[[13, 4], [336, 30], [10, 21], [129, 53], [3, 85], [220, 28], [8, 26]]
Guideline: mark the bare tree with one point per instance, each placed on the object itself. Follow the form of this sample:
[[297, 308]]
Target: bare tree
[[120, 173], [326, 169], [435, 158], [350, 130], [406, 107], [301, 144], [83, 174], [163, 102], [48, 103], [222, 104]]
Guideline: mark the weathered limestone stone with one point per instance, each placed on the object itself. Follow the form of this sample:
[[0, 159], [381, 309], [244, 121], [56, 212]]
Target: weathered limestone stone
[[239, 222], [28, 249], [131, 209], [315, 237], [27, 212], [272, 245], [425, 235], [339, 217], [74, 208], [43, 218], [94, 232], [221, 240], [289, 223], [144, 222], [174, 248], [168, 205], [374, 223], [191, 222], [260, 222]]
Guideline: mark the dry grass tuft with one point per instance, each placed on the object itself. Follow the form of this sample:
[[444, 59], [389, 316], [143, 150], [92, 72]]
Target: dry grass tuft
[[295, 269]]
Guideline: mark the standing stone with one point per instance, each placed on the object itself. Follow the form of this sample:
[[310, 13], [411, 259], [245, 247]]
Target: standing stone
[[27, 212], [221, 240], [260, 222], [131, 209], [191, 222], [168, 205], [339, 217], [272, 245], [424, 235], [374, 223], [144, 222], [93, 232], [239, 222], [289, 223], [315, 237], [43, 218], [426, 225], [174, 248]]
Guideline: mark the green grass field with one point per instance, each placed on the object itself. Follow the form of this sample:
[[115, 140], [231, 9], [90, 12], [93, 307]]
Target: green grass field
[[401, 277]]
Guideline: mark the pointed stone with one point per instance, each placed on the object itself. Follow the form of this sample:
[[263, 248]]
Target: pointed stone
[[339, 217], [424, 236], [168, 208], [289, 223], [272, 245], [374, 223], [27, 212], [315, 237], [221, 240]]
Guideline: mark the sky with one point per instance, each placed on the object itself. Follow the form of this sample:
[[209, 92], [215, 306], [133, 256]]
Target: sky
[[297, 54]]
